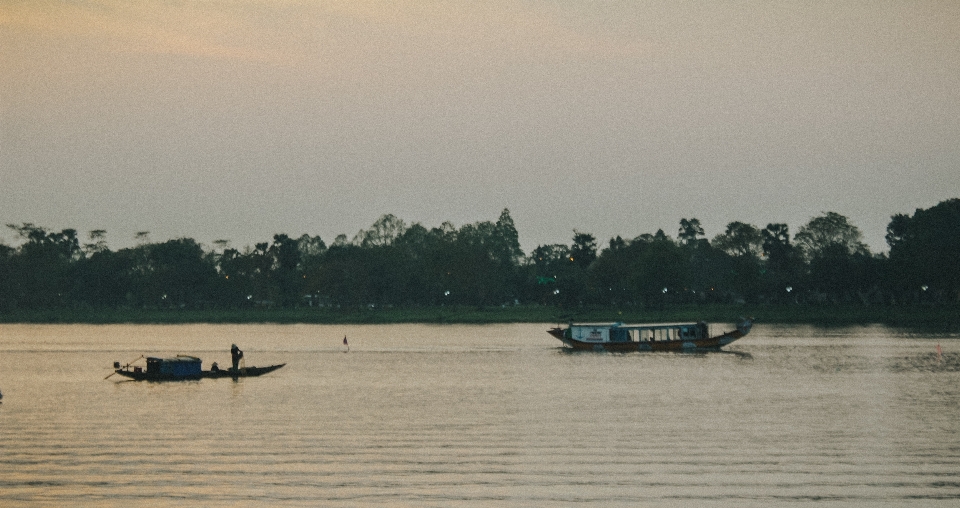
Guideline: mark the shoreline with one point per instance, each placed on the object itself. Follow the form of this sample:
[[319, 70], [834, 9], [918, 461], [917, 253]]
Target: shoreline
[[946, 319]]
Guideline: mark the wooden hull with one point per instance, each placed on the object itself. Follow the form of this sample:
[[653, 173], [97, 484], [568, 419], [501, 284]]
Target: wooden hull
[[235, 374], [706, 344]]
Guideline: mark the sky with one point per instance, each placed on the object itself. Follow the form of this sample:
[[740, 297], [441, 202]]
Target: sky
[[238, 120]]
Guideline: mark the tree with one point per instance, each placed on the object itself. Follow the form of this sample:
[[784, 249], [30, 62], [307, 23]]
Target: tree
[[507, 240], [310, 246], [102, 279], [478, 275], [783, 268], [739, 266], [7, 296], [740, 239], [417, 271], [343, 277], [829, 231], [236, 279], [690, 232], [551, 268], [842, 276], [98, 241], [924, 250], [834, 248], [549, 258], [311, 249], [584, 249], [661, 269], [776, 245], [286, 255], [178, 274], [612, 272], [383, 232], [41, 269]]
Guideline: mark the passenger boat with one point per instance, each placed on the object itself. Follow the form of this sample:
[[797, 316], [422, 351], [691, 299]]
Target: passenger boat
[[184, 367], [621, 338]]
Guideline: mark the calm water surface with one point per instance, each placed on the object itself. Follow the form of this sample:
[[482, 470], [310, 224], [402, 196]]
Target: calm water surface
[[420, 415]]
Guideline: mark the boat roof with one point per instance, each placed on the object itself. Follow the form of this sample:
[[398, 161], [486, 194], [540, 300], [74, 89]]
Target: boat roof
[[178, 358], [645, 326]]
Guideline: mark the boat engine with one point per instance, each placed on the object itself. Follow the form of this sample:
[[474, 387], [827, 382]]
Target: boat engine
[[116, 365]]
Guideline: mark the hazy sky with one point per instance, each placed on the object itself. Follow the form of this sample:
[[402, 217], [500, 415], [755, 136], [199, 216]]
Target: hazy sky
[[241, 119]]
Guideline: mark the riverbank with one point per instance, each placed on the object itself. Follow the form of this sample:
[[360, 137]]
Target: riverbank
[[935, 318]]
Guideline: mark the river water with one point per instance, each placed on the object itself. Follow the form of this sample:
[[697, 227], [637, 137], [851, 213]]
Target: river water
[[494, 415]]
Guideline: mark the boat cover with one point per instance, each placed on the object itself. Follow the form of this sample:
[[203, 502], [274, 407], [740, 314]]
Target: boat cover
[[178, 366]]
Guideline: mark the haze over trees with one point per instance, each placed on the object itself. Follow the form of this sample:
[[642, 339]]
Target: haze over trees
[[481, 264]]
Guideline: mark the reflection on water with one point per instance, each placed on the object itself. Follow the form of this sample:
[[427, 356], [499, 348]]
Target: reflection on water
[[478, 415]]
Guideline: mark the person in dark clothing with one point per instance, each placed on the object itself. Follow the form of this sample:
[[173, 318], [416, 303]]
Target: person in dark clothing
[[235, 355]]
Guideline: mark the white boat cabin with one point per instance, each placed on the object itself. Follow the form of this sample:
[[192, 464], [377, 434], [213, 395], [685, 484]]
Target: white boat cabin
[[619, 332]]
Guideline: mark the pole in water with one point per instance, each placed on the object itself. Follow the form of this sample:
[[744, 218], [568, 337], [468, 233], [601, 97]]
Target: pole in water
[[939, 353], [345, 343]]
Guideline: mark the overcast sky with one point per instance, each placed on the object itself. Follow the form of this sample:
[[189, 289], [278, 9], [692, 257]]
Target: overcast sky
[[238, 120]]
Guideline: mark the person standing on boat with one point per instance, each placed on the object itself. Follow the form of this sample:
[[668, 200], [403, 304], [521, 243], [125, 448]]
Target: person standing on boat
[[235, 355]]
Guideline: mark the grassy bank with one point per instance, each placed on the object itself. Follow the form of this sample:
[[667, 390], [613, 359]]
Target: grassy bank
[[940, 318]]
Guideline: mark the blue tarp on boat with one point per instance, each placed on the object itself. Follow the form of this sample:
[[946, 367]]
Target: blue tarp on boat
[[179, 366]]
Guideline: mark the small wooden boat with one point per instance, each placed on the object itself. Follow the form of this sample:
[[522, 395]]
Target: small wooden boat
[[621, 338], [182, 368]]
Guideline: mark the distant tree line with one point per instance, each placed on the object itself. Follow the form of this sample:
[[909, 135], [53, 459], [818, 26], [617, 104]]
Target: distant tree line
[[482, 264]]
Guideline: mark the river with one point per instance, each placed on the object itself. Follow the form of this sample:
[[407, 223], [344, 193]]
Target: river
[[492, 415]]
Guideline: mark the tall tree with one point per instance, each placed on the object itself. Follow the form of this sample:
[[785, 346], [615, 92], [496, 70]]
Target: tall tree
[[776, 245], [783, 268], [507, 240], [583, 251], [286, 255]]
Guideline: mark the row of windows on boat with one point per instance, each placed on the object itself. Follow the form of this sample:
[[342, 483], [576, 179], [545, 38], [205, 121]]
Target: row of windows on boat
[[659, 334]]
